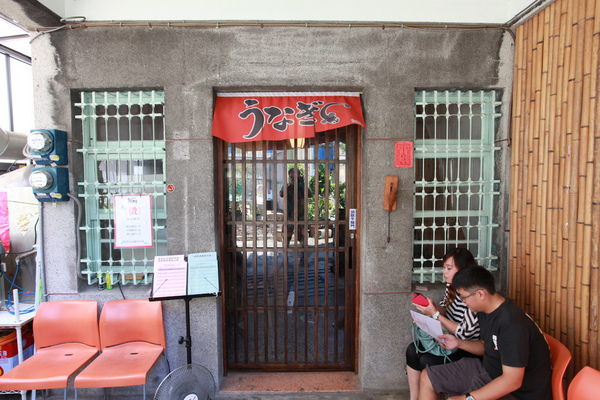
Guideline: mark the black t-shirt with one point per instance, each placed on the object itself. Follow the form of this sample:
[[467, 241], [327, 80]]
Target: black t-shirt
[[511, 338]]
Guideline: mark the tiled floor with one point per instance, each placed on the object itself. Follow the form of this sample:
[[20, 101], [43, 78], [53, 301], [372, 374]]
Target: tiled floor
[[236, 382], [299, 386], [268, 386]]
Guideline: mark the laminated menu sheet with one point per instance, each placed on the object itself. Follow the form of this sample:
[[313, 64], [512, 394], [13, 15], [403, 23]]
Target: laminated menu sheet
[[170, 276], [203, 273]]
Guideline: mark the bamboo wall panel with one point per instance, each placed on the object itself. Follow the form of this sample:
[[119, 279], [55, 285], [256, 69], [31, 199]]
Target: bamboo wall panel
[[555, 175]]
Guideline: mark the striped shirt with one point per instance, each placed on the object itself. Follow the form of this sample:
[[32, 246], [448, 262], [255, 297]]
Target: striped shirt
[[468, 325]]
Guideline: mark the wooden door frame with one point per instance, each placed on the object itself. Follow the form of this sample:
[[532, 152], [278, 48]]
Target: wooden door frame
[[218, 146]]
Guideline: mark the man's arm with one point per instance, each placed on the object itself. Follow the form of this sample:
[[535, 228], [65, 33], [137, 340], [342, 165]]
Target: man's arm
[[510, 380], [472, 346]]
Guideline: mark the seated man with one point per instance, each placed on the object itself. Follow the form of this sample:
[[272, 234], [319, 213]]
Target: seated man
[[516, 358]]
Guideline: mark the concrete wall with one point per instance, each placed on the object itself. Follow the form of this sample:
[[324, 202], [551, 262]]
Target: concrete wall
[[190, 64]]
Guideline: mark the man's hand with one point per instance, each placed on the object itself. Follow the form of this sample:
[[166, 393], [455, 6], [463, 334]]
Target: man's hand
[[448, 341], [458, 397]]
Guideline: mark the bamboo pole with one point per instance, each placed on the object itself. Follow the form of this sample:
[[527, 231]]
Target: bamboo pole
[[516, 181], [580, 133], [521, 203], [563, 192], [525, 166], [544, 188], [532, 187], [544, 156], [533, 155], [552, 151], [574, 246], [538, 157], [559, 165], [595, 256], [585, 181], [575, 232]]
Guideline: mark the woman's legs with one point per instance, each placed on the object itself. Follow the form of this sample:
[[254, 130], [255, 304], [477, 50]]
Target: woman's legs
[[413, 370], [414, 377], [416, 363]]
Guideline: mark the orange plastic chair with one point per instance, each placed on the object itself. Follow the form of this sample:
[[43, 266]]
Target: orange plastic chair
[[66, 337], [585, 385], [561, 357], [132, 336]]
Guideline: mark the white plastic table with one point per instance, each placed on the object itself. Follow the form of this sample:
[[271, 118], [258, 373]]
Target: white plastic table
[[16, 322]]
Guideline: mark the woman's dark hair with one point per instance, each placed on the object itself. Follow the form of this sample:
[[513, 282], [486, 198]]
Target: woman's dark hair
[[462, 258]]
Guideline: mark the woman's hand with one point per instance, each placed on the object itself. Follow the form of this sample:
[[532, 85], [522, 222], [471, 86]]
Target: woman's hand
[[429, 309]]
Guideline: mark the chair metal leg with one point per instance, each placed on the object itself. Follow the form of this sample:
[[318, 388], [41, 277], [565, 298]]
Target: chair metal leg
[[144, 389], [74, 388], [66, 392]]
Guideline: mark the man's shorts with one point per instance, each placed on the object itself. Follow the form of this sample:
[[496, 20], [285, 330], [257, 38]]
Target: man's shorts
[[460, 377]]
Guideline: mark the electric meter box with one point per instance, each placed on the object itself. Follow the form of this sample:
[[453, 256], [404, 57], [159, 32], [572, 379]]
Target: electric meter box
[[48, 146], [50, 183]]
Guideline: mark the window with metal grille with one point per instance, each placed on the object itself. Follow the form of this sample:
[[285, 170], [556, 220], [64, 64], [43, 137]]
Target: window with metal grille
[[123, 153], [456, 187]]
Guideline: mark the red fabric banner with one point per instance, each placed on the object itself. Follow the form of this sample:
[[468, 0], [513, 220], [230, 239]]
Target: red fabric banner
[[246, 117], [4, 223]]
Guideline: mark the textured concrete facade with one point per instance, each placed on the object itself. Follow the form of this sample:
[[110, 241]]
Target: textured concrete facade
[[190, 64]]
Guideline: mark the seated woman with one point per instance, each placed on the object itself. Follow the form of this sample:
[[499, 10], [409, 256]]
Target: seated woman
[[454, 315]]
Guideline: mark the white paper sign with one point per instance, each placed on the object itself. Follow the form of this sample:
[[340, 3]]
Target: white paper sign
[[170, 276], [203, 273], [352, 222], [431, 326], [133, 220]]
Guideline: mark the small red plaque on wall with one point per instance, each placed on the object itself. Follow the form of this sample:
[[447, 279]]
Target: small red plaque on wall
[[403, 155]]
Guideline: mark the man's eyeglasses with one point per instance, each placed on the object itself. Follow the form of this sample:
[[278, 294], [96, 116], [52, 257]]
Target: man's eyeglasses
[[470, 294]]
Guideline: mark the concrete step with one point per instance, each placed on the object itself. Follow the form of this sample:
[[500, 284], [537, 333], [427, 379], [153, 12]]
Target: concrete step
[[367, 395]]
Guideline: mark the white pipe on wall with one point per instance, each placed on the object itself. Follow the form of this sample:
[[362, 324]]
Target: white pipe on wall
[[11, 145], [434, 11]]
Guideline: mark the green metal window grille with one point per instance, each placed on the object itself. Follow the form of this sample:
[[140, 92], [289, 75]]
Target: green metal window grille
[[456, 188], [123, 153]]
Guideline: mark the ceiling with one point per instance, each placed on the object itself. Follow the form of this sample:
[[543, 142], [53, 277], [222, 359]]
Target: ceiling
[[403, 11]]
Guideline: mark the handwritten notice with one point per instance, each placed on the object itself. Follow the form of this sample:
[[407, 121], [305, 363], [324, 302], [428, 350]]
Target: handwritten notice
[[133, 220], [431, 326], [170, 273], [203, 273]]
